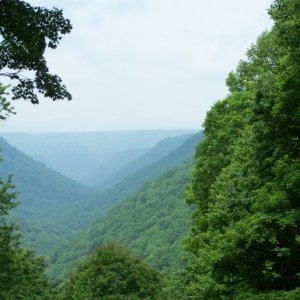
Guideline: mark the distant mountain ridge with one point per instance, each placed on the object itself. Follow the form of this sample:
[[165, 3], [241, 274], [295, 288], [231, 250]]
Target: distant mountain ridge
[[110, 167], [160, 150], [129, 185], [77, 154]]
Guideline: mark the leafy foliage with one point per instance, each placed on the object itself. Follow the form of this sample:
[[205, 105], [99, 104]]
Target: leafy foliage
[[113, 273], [26, 32], [245, 232]]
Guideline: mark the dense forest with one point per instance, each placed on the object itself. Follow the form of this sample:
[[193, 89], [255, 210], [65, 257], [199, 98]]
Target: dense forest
[[224, 225]]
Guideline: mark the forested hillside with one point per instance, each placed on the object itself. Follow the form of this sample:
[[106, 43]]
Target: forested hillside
[[110, 167], [45, 197], [129, 185], [152, 223], [245, 232], [159, 151], [53, 208]]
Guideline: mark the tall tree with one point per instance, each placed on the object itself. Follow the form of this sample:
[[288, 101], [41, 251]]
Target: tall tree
[[26, 31]]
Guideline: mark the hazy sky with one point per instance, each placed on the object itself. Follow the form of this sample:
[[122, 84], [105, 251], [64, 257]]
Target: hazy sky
[[143, 64]]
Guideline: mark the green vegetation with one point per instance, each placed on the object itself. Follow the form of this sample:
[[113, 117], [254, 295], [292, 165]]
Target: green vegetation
[[244, 238], [112, 273], [54, 208], [245, 232], [152, 223]]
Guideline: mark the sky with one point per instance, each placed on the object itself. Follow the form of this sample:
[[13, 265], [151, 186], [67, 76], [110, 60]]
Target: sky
[[142, 64]]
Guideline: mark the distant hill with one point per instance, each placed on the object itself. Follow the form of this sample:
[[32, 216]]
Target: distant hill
[[77, 154], [160, 150], [132, 183], [40, 188], [42, 192], [111, 167], [152, 223], [54, 208]]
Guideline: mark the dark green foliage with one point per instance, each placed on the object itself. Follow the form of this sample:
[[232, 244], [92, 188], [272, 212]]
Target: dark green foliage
[[152, 223], [246, 184], [112, 273], [26, 32], [21, 273]]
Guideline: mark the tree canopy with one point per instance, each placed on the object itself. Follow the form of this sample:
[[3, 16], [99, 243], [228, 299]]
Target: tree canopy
[[245, 232], [25, 33], [112, 272]]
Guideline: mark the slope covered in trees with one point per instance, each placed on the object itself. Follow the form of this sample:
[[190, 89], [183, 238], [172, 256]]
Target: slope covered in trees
[[45, 197], [131, 184], [54, 208], [158, 152], [245, 232], [152, 223], [110, 167]]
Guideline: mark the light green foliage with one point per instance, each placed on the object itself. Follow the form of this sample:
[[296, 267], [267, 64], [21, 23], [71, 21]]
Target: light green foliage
[[112, 273], [246, 182]]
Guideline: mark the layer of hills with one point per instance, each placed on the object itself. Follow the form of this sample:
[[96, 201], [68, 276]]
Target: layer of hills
[[54, 208], [76, 155], [152, 223]]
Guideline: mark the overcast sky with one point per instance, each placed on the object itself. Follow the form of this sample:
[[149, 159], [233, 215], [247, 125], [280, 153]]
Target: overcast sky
[[143, 64]]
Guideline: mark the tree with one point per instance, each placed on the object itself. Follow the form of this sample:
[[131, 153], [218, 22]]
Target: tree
[[26, 31], [112, 272]]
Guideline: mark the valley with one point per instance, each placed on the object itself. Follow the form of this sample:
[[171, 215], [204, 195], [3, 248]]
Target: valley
[[61, 218]]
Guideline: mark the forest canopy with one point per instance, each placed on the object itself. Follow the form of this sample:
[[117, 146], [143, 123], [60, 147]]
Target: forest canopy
[[245, 232]]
